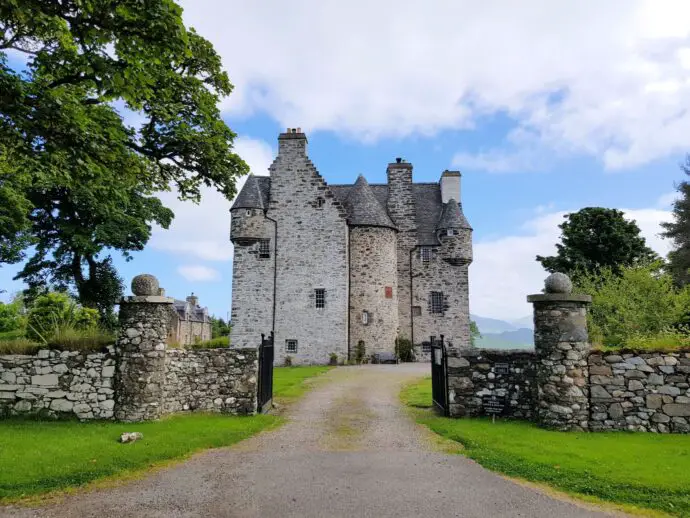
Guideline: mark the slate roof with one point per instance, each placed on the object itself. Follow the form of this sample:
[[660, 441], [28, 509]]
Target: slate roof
[[197, 314], [363, 208], [427, 197], [452, 216], [254, 193]]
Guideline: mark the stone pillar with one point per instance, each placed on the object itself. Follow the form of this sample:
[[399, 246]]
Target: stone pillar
[[140, 350], [561, 345]]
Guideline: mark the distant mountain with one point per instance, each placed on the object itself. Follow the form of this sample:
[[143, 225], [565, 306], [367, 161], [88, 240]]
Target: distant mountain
[[500, 334], [492, 325], [524, 322]]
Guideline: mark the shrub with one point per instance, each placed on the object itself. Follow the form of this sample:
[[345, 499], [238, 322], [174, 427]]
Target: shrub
[[360, 352], [56, 313], [11, 318], [288, 361], [639, 302], [404, 349], [213, 343], [333, 359]]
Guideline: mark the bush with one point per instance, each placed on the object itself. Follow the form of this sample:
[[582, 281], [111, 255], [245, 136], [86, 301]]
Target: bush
[[213, 343], [57, 314], [360, 352], [404, 349], [288, 361], [20, 346], [635, 306], [11, 318], [333, 359]]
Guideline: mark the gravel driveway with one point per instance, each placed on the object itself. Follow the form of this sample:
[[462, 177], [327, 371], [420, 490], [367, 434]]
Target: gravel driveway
[[348, 449]]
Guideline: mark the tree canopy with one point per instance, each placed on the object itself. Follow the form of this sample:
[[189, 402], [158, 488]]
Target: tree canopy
[[116, 101], [678, 230], [595, 238]]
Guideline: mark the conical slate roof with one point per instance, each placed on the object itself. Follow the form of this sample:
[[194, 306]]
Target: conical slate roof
[[452, 217], [363, 207], [250, 195]]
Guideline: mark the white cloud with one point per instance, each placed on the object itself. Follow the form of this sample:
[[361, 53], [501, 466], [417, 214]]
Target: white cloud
[[504, 270], [198, 272], [203, 230], [609, 79]]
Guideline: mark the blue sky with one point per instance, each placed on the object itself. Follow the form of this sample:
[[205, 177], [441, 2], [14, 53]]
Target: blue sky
[[572, 106]]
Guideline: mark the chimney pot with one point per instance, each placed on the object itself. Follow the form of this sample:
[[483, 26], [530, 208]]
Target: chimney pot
[[398, 160]]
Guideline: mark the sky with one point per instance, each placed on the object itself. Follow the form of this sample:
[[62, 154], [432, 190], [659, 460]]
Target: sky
[[545, 108]]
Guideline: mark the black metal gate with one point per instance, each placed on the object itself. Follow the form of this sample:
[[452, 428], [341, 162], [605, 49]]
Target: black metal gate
[[265, 394], [439, 375]]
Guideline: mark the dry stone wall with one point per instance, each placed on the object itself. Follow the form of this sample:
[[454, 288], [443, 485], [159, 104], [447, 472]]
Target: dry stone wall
[[640, 392], [212, 380], [491, 382], [58, 384]]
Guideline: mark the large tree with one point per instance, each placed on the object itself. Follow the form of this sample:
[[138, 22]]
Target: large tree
[[594, 238], [679, 231], [117, 101]]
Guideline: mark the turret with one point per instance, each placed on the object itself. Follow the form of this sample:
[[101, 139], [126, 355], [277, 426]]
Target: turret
[[455, 234], [246, 225]]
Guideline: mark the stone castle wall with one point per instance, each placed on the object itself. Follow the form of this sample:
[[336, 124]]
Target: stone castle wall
[[58, 384], [454, 322], [252, 277], [640, 391], [401, 209], [481, 377], [312, 254], [372, 270]]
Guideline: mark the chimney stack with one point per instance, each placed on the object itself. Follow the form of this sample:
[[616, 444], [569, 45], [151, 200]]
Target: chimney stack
[[293, 141], [450, 186]]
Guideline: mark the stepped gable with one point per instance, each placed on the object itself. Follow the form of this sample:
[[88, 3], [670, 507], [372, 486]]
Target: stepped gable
[[364, 209], [452, 217], [254, 193]]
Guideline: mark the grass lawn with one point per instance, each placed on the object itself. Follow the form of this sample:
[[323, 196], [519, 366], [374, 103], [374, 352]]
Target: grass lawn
[[289, 382], [43, 456], [640, 469]]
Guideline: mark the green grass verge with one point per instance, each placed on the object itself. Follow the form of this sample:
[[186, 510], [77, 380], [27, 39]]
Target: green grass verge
[[44, 456], [640, 469], [289, 382]]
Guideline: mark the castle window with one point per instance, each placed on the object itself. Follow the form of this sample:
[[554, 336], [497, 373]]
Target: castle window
[[365, 317], [320, 202], [425, 254], [264, 248], [416, 311], [451, 232], [389, 292], [426, 347], [320, 298], [436, 302], [290, 346]]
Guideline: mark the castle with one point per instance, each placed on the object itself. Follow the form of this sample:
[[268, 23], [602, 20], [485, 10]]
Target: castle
[[190, 322], [327, 266]]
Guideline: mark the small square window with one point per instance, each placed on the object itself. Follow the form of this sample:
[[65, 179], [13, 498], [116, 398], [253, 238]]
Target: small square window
[[416, 311], [320, 202], [450, 232], [365, 317], [320, 298], [290, 346], [425, 254], [436, 302], [264, 248]]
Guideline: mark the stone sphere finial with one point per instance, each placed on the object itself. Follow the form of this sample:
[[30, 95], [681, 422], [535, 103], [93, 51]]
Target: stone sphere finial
[[558, 283], [145, 285]]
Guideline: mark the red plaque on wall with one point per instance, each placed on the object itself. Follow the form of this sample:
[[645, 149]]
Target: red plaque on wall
[[389, 292]]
